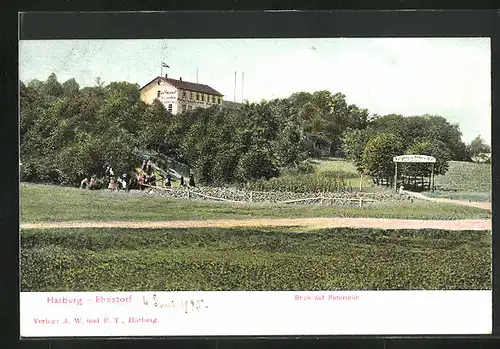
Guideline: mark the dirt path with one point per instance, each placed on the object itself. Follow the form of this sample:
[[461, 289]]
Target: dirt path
[[483, 205], [377, 223]]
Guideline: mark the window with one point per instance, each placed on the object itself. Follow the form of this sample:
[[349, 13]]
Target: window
[[190, 107], [211, 99], [220, 100], [203, 98], [170, 107], [158, 82], [158, 94], [184, 108], [198, 97], [183, 94]]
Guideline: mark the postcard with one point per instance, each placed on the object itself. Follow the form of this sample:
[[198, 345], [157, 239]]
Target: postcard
[[255, 187]]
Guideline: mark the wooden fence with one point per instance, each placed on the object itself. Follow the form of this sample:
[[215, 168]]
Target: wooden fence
[[322, 199]]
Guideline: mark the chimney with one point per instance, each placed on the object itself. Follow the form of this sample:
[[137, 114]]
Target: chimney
[[166, 76], [180, 79]]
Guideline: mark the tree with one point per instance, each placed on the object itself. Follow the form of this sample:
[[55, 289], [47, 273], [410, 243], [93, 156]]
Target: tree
[[37, 86], [287, 141], [325, 118], [122, 106], [290, 145], [409, 129], [99, 82], [358, 117], [313, 125], [257, 163], [354, 144], [392, 123], [153, 127], [52, 86], [430, 147], [478, 146], [378, 155], [439, 128], [67, 133], [70, 88]]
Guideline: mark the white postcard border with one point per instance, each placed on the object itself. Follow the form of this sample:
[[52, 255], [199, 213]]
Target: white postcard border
[[251, 313]]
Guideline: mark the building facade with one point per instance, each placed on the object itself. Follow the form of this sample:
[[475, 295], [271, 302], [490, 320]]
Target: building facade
[[179, 96]]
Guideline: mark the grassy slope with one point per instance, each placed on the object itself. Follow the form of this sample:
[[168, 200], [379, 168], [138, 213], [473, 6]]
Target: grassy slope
[[465, 181], [331, 165], [253, 259], [52, 203]]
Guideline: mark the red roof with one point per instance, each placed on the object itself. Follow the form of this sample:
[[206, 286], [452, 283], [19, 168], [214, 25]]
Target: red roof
[[186, 85]]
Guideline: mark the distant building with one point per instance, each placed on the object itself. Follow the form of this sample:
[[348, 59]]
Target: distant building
[[179, 96], [483, 157]]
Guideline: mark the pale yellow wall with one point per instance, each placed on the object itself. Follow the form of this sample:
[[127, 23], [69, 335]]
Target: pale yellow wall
[[149, 93], [168, 94]]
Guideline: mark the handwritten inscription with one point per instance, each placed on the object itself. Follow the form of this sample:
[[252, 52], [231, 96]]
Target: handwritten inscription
[[188, 305]]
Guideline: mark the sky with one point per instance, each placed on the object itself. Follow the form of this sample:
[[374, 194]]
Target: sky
[[449, 77]]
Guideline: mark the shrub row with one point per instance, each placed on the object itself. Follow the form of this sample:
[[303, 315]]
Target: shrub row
[[253, 259], [307, 183]]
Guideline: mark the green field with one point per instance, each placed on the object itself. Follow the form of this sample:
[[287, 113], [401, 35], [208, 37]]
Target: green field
[[465, 181], [53, 203], [328, 174], [335, 165], [253, 259], [330, 166]]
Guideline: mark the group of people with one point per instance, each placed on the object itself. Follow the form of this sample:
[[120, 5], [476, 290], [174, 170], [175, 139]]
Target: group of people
[[148, 174], [145, 177], [86, 184], [120, 183]]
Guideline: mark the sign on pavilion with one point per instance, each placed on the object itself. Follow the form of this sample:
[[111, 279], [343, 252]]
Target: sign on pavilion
[[414, 159]]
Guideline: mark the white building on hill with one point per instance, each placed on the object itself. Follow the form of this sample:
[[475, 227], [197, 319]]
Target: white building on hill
[[179, 96]]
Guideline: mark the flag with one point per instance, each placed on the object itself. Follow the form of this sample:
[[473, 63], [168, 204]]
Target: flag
[[164, 65]]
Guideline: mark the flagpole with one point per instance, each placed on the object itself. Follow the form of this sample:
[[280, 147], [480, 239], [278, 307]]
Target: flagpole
[[242, 77], [234, 98], [196, 74]]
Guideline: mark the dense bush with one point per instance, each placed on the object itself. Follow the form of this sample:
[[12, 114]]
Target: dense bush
[[372, 148], [303, 184], [254, 259], [68, 133]]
